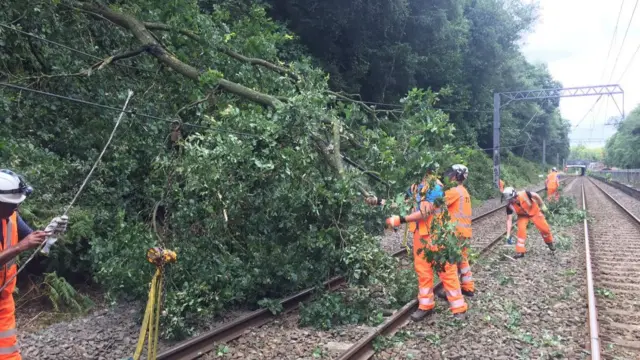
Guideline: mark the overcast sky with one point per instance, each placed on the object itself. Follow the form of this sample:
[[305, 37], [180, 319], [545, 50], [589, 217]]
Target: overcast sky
[[573, 38]]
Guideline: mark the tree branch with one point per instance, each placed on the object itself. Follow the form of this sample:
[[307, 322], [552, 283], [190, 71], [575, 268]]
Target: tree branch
[[164, 27], [366, 107], [195, 103], [260, 62], [125, 55], [144, 36], [253, 61], [334, 159]]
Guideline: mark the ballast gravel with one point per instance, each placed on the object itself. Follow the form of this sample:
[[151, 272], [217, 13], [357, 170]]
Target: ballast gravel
[[283, 339], [105, 334], [630, 203]]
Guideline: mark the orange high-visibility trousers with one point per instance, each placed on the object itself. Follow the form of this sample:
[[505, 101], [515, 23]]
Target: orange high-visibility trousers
[[552, 193], [541, 224], [466, 280], [449, 278]]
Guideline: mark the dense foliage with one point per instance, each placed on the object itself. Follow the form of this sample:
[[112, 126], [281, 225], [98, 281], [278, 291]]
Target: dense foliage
[[623, 148], [233, 152]]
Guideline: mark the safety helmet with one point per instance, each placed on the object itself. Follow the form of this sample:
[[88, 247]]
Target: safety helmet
[[508, 193], [13, 188], [554, 169], [433, 167], [460, 172]]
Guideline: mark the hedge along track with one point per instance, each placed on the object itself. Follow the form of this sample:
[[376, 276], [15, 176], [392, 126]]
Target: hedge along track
[[613, 236], [364, 349], [200, 345]]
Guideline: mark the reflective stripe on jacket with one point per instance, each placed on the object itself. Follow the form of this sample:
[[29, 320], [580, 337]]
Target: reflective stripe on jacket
[[8, 336]]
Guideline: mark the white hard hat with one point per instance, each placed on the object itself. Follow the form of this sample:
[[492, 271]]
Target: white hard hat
[[554, 169], [13, 189], [508, 193], [460, 171]]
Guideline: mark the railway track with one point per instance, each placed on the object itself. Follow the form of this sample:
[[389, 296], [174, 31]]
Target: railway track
[[612, 241], [198, 346]]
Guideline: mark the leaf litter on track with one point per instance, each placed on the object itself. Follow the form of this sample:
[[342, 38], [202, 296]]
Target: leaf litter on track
[[531, 308]]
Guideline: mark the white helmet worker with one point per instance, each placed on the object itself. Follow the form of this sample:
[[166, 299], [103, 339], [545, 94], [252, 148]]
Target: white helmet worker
[[509, 193], [13, 189], [554, 169]]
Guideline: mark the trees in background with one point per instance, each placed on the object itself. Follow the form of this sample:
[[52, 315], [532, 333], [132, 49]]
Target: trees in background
[[623, 148], [582, 152], [379, 49]]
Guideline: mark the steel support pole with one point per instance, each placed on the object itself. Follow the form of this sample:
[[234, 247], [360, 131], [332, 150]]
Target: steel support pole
[[558, 159], [496, 140]]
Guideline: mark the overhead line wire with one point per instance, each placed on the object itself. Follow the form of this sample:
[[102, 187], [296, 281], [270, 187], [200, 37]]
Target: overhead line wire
[[604, 69], [613, 38], [623, 39], [630, 62], [112, 108], [66, 47]]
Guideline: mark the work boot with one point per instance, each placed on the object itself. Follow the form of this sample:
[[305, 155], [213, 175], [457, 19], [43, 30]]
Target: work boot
[[552, 246], [467, 293], [420, 314], [460, 316], [518, 255]]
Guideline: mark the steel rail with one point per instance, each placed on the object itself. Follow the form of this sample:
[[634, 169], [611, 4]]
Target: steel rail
[[593, 319], [624, 209], [197, 346], [364, 349], [629, 190], [594, 338]]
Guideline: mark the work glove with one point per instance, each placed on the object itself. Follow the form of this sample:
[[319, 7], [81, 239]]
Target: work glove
[[395, 221], [545, 208], [373, 201], [56, 227], [510, 240], [61, 224]]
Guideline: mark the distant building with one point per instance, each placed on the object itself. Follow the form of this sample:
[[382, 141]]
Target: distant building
[[596, 166]]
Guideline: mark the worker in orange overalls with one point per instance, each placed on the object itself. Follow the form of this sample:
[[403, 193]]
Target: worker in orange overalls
[[527, 205], [15, 238], [423, 217], [458, 203], [552, 184]]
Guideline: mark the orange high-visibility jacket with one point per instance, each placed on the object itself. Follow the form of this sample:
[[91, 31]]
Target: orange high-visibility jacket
[[459, 205], [552, 181], [8, 335], [525, 206]]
